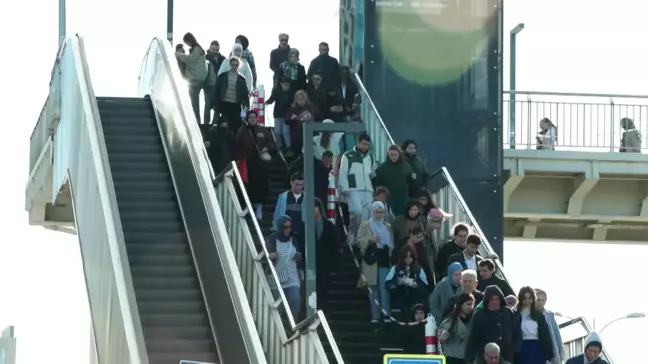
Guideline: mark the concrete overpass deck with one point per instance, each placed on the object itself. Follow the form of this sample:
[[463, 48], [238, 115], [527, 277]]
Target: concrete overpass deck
[[584, 188]]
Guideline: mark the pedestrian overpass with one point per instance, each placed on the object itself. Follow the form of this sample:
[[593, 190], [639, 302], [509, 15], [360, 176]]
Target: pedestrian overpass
[[584, 189]]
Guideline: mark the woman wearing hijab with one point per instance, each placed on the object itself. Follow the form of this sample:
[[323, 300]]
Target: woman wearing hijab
[[248, 57], [326, 245], [444, 291], [293, 70], [285, 256], [253, 142], [244, 67], [376, 241]]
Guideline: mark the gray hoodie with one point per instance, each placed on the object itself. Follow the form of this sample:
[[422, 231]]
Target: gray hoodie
[[196, 63], [592, 339]]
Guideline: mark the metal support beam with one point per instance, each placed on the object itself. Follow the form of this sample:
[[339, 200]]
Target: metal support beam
[[584, 185], [170, 21], [309, 201], [512, 65], [62, 21]]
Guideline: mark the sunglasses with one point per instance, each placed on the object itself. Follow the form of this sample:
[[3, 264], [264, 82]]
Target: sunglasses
[[283, 39]]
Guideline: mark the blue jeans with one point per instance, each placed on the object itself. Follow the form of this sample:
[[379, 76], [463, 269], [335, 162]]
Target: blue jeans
[[282, 132], [381, 294], [293, 296]]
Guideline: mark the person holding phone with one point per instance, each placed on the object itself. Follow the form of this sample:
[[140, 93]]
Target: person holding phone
[[285, 256]]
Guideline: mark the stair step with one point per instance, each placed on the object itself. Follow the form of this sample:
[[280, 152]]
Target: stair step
[[169, 299]]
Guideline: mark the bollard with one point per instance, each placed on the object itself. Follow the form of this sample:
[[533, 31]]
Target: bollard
[[431, 340], [331, 199]]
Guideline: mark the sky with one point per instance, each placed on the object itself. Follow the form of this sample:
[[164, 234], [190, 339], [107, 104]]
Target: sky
[[569, 46]]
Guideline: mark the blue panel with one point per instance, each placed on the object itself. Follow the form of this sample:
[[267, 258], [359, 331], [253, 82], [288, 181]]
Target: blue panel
[[433, 69]]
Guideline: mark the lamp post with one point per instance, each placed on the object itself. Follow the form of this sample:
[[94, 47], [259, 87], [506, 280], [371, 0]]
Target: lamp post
[[634, 315], [170, 21], [514, 32], [62, 22]]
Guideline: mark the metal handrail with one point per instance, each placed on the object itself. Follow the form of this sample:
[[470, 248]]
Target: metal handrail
[[295, 327], [473, 221], [585, 325], [580, 94], [365, 94]]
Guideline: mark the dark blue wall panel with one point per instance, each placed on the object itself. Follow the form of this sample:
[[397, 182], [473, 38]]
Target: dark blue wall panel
[[433, 68]]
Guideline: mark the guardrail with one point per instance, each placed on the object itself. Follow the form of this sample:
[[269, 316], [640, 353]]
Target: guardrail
[[283, 340], [577, 346], [49, 115], [80, 162], [584, 121]]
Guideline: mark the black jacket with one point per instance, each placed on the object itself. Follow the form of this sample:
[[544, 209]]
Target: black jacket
[[215, 60], [501, 327], [328, 66], [241, 89], [277, 56], [544, 336], [445, 252], [459, 258], [351, 91], [321, 176], [495, 281], [282, 100]]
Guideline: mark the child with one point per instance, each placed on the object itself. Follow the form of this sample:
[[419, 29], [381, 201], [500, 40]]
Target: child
[[407, 281]]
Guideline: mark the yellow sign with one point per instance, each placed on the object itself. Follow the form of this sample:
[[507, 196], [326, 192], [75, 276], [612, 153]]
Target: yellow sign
[[413, 359]]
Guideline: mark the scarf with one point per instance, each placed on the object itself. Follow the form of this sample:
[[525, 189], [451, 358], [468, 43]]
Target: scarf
[[378, 227], [281, 233], [289, 69]]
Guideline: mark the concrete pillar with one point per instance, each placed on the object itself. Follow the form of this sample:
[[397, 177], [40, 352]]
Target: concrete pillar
[[584, 185], [530, 229], [514, 180], [600, 233], [644, 206]]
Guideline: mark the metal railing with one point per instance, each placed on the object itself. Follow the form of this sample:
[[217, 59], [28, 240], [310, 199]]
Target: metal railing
[[49, 115], [80, 161], [576, 346], [584, 121], [381, 140], [283, 340], [449, 199]]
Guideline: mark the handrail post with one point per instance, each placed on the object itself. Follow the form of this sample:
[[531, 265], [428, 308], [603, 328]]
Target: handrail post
[[518, 28], [169, 21], [612, 124], [529, 133]]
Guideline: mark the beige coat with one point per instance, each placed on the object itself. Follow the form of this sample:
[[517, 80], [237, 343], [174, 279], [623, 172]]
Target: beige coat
[[370, 272]]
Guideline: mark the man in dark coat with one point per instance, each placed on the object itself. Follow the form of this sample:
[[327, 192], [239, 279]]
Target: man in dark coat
[[455, 245], [487, 278], [494, 323]]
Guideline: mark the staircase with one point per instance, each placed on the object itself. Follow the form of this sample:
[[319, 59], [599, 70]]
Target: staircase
[[171, 305]]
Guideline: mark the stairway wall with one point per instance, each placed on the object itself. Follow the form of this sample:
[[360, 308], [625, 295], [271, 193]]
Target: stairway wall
[[449, 100]]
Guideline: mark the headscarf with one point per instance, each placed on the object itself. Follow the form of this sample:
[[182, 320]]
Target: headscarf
[[452, 269], [378, 227], [281, 233], [288, 68]]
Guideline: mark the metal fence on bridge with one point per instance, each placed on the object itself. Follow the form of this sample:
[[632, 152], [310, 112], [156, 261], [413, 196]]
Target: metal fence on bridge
[[584, 122]]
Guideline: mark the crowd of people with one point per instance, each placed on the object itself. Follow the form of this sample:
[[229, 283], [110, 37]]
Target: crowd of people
[[388, 218]]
